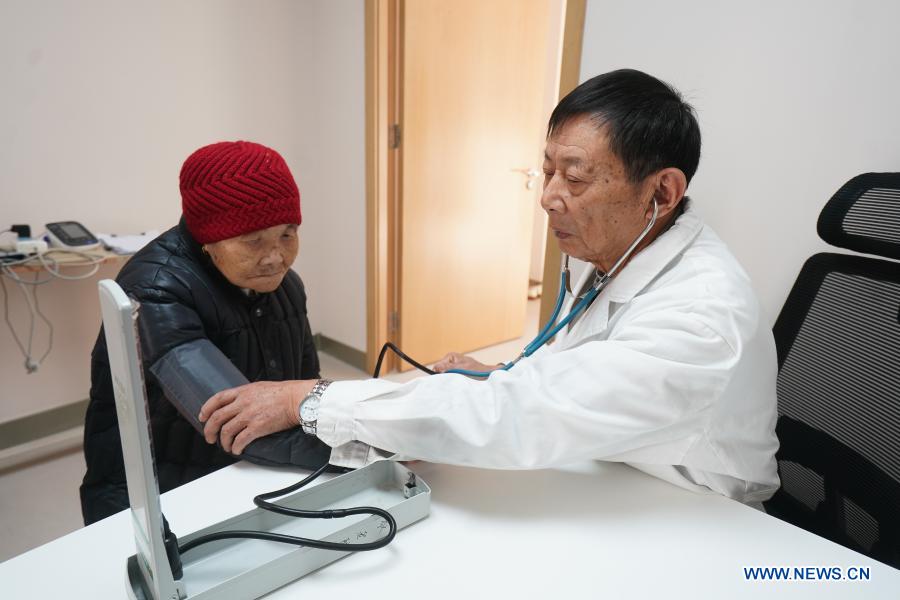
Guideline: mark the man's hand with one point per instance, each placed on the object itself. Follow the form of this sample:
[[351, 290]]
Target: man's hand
[[238, 416], [455, 360]]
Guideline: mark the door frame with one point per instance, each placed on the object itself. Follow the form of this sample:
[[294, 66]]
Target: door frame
[[383, 52]]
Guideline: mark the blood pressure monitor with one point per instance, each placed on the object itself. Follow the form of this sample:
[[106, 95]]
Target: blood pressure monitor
[[71, 235]]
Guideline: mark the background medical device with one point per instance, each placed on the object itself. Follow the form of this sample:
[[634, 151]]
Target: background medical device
[[71, 235], [233, 568]]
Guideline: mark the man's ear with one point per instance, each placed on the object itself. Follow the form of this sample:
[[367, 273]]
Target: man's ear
[[670, 187]]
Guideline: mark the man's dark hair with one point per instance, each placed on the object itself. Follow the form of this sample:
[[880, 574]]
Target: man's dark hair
[[650, 127]]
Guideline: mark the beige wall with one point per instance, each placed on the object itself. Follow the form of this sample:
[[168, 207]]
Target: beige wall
[[794, 99], [102, 101], [332, 252]]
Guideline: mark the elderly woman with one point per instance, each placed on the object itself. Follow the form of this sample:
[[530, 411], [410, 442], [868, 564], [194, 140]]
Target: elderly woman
[[223, 274]]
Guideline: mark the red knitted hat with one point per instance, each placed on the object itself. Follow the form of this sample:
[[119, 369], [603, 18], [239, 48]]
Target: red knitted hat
[[232, 188]]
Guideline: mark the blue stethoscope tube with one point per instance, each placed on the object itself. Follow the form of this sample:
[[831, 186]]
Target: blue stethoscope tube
[[552, 327]]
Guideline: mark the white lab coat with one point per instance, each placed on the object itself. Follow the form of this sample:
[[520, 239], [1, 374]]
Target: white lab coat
[[671, 369]]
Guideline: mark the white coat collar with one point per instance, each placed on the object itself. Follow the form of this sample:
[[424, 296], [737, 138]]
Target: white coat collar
[[652, 260], [645, 266]]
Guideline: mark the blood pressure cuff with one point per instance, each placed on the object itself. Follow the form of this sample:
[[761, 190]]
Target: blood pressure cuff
[[191, 373]]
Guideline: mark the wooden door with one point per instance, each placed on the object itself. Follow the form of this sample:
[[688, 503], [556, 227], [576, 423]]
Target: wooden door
[[474, 86]]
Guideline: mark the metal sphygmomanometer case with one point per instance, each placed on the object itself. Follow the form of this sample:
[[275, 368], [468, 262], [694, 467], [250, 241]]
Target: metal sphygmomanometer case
[[235, 568]]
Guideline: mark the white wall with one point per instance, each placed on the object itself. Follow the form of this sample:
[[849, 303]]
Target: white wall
[[794, 98], [102, 101], [332, 244]]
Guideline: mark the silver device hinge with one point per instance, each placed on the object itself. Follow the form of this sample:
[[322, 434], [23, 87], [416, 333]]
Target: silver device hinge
[[410, 489], [394, 136], [394, 322]]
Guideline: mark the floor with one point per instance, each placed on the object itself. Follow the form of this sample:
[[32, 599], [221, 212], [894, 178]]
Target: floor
[[39, 501]]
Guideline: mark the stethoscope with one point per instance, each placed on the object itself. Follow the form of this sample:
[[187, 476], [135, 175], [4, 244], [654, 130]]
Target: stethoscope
[[552, 327]]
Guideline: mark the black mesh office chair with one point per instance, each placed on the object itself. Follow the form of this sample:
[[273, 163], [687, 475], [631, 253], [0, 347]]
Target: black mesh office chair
[[838, 339]]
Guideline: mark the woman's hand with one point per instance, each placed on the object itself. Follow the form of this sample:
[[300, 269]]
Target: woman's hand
[[238, 416]]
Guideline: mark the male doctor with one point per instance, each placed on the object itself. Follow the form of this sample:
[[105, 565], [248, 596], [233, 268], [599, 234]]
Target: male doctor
[[670, 369]]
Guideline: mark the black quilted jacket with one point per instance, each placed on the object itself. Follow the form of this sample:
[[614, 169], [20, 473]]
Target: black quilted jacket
[[183, 297]]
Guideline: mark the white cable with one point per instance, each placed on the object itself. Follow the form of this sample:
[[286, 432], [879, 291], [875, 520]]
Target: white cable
[[37, 309], [8, 322], [31, 365], [93, 261], [8, 272], [51, 266]]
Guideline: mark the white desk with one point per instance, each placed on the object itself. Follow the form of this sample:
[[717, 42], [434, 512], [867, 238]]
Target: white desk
[[596, 531]]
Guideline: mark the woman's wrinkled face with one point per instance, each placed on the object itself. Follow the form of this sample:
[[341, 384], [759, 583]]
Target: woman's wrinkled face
[[257, 260]]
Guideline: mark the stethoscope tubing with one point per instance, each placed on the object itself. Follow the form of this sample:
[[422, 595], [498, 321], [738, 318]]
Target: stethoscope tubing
[[552, 327]]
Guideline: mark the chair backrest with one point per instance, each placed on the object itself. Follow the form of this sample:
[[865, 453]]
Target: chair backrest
[[838, 340]]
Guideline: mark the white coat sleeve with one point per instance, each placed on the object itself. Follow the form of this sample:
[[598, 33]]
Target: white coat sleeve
[[649, 386]]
